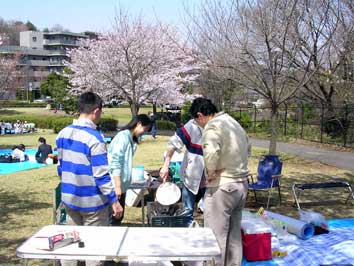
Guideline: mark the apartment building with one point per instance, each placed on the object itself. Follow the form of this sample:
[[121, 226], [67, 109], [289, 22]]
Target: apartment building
[[39, 54]]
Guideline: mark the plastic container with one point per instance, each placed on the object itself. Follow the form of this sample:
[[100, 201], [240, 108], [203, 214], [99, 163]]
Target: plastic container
[[256, 239], [138, 173], [257, 246], [175, 168]]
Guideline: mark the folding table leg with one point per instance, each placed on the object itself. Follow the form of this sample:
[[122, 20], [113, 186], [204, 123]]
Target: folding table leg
[[24, 262]]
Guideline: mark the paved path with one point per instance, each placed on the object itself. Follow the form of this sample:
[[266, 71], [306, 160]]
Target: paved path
[[342, 160]]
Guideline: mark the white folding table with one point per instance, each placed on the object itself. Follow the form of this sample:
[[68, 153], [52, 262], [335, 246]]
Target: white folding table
[[127, 243]]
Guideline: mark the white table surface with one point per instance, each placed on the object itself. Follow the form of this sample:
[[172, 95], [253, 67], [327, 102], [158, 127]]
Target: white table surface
[[136, 243], [101, 243], [168, 243]]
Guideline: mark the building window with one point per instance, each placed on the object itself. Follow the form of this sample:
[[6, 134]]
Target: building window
[[34, 39]]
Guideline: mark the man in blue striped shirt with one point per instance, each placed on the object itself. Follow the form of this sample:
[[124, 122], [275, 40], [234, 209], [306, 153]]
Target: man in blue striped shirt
[[87, 190]]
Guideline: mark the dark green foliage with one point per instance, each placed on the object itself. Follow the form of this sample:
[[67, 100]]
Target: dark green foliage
[[56, 86], [5, 104], [31, 26], [165, 125], [108, 124], [243, 118], [58, 123], [185, 112]]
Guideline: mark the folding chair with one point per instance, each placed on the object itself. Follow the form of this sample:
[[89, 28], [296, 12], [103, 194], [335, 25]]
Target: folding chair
[[268, 177], [59, 213]]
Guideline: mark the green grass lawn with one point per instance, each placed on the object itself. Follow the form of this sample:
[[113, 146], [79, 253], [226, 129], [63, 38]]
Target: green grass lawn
[[26, 197]]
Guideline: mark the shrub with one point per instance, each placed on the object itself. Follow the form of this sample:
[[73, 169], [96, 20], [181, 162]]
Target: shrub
[[165, 125], [245, 119], [5, 104], [58, 123], [185, 112], [108, 124]]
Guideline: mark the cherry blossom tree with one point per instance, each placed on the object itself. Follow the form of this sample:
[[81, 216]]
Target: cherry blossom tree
[[137, 61], [7, 71]]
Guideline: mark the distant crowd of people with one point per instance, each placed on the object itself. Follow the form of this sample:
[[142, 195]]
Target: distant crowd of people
[[18, 127]]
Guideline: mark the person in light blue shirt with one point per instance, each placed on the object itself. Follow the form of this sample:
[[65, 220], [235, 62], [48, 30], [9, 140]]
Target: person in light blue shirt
[[120, 157]]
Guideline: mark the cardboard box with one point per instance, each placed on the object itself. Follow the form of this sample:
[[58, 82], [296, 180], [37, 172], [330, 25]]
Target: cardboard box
[[257, 246]]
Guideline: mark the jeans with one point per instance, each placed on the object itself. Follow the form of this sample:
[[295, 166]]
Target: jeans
[[153, 130], [189, 199]]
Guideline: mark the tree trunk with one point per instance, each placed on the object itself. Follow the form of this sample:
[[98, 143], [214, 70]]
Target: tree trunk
[[134, 108], [273, 131], [154, 108]]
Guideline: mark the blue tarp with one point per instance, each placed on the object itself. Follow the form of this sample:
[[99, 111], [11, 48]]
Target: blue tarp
[[8, 168]]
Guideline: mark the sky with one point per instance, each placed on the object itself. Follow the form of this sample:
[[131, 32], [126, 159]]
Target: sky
[[90, 15]]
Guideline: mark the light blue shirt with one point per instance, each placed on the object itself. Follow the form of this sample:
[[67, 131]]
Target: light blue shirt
[[120, 158]]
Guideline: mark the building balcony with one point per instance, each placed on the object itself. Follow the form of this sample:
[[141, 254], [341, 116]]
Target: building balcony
[[43, 63], [62, 42], [57, 52], [40, 74], [56, 63]]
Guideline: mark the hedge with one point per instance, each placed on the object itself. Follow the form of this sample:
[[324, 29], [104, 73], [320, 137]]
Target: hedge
[[58, 123], [21, 104], [165, 125]]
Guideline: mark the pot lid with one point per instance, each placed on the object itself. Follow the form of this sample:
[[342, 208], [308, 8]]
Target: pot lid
[[168, 193]]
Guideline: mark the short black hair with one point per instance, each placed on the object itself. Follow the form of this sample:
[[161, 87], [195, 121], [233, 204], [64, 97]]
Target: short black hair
[[202, 105], [88, 102], [42, 140]]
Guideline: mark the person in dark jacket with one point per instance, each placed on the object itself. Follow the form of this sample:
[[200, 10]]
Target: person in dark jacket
[[44, 150]]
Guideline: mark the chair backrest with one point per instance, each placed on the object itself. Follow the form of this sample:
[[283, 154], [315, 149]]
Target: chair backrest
[[270, 165], [59, 213]]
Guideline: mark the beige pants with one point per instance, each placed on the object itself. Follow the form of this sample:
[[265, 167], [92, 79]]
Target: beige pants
[[222, 213], [98, 218]]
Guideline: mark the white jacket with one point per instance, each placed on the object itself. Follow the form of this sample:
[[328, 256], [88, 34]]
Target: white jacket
[[192, 168]]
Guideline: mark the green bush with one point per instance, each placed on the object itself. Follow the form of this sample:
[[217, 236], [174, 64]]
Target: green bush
[[185, 112], [14, 104], [108, 124], [58, 123], [165, 125], [245, 119]]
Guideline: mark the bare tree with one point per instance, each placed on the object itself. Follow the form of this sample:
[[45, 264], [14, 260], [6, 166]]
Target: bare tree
[[326, 34], [244, 41]]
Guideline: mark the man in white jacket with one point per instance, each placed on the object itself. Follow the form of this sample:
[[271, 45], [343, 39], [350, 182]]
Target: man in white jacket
[[225, 151], [192, 168]]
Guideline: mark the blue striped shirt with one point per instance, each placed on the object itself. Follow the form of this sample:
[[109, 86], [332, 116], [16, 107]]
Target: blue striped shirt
[[83, 167]]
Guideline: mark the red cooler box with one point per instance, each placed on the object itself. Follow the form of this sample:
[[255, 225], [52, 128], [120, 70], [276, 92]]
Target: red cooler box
[[256, 239]]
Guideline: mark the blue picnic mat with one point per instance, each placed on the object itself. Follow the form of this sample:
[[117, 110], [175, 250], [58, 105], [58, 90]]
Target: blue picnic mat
[[336, 247], [8, 168]]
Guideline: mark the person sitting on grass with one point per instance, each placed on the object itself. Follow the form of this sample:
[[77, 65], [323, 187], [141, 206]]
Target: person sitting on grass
[[18, 153], [43, 151]]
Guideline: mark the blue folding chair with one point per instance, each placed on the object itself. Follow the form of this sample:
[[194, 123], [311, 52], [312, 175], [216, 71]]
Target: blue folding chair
[[268, 177]]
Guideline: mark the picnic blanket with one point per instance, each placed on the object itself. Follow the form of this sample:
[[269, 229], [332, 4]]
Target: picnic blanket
[[336, 247], [8, 168]]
